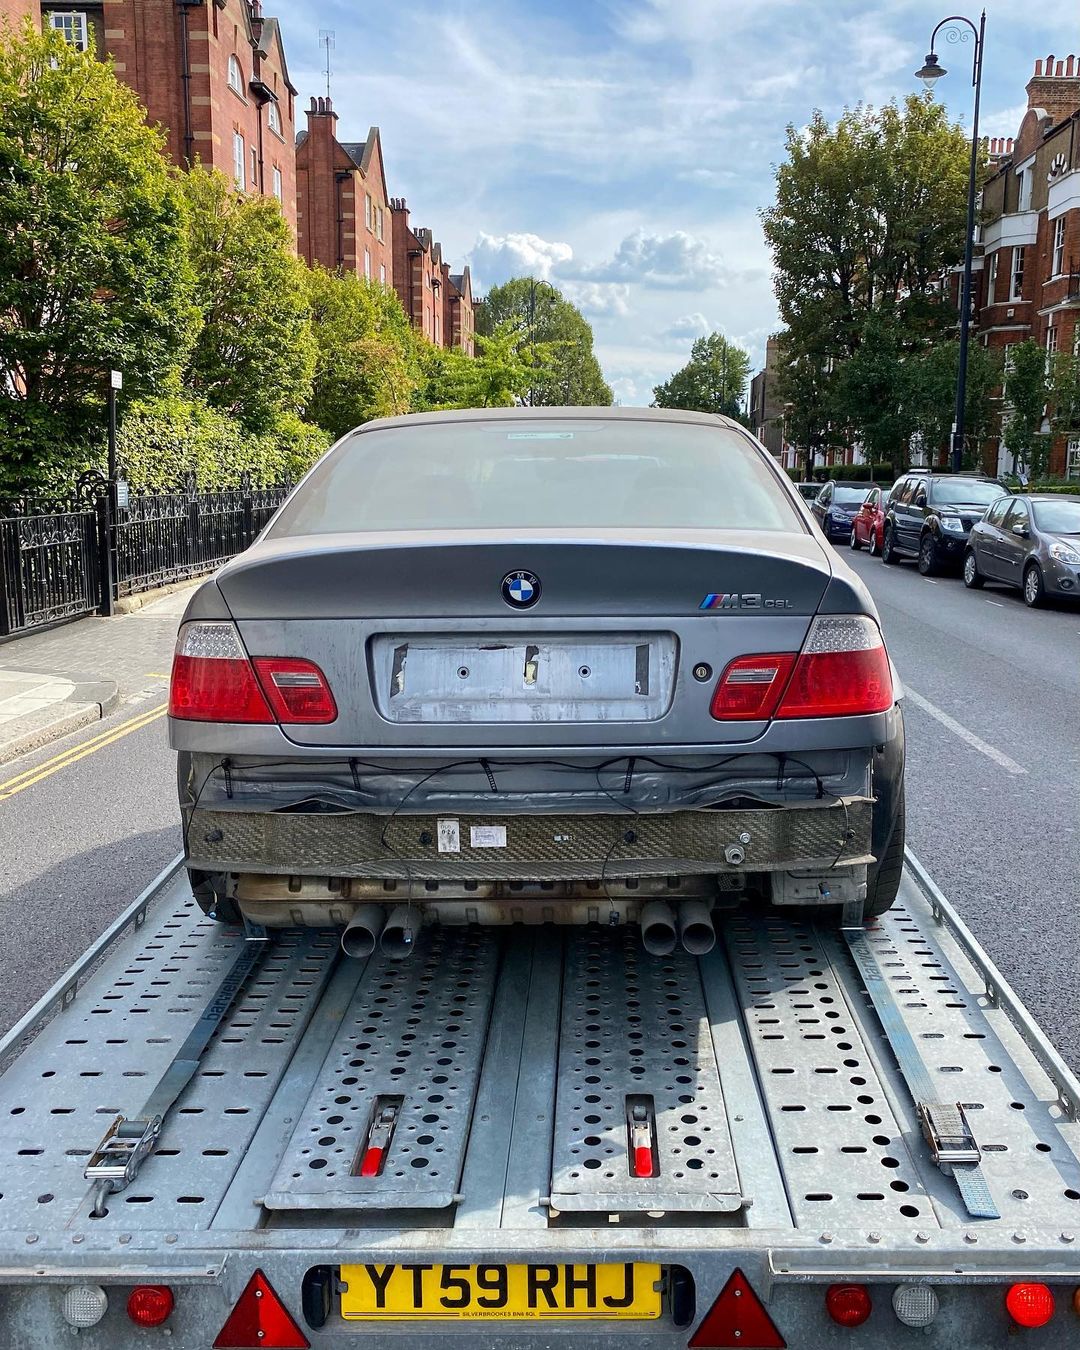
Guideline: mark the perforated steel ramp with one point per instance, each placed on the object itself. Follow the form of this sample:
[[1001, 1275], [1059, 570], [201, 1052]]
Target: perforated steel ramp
[[413, 1038], [636, 1026]]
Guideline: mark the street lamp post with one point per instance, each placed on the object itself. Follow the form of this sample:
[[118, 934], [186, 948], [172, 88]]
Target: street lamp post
[[931, 72]]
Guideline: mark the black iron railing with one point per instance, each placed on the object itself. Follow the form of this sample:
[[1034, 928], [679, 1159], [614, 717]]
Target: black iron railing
[[66, 560]]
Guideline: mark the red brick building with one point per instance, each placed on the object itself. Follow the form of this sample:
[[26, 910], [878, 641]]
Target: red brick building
[[1029, 283], [13, 12], [439, 304], [213, 75], [343, 212]]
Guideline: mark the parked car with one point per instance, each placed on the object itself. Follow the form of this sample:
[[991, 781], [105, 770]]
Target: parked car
[[1029, 542], [837, 505], [868, 527], [477, 668], [928, 516], [808, 491]]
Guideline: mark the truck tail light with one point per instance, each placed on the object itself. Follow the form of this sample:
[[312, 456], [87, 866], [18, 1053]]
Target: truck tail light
[[213, 680], [750, 687], [1030, 1305], [848, 1304], [842, 671], [260, 1319], [149, 1305]]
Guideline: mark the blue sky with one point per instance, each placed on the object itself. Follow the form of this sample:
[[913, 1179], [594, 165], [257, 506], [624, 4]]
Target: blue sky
[[622, 148]]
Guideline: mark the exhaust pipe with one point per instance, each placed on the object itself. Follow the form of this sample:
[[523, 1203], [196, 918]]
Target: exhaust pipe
[[399, 936], [696, 931], [362, 931], [657, 928]]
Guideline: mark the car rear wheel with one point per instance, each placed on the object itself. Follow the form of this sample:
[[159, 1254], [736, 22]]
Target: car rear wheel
[[871, 545], [927, 556], [888, 547], [854, 540], [973, 578], [883, 877], [1034, 591]]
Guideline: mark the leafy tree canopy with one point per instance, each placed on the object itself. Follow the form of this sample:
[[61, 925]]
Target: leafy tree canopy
[[500, 374], [537, 315], [713, 380], [1027, 388], [254, 355], [93, 273]]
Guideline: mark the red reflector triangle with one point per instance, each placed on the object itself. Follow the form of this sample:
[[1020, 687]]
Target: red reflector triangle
[[260, 1321], [737, 1319]]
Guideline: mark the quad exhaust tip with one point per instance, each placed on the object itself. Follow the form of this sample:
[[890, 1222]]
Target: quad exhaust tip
[[361, 934], [398, 938], [658, 935], [696, 931]]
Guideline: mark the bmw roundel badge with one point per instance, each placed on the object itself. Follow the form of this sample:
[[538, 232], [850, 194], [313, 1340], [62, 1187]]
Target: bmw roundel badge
[[521, 589]]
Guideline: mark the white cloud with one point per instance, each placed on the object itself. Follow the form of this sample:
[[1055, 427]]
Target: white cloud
[[676, 261], [496, 258], [687, 326], [598, 300]]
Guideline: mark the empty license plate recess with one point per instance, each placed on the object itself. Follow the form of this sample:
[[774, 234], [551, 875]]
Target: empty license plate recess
[[628, 1290], [621, 677]]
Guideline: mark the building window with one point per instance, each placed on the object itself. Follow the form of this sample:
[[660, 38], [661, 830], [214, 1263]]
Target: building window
[[72, 24], [1026, 176], [254, 167], [1051, 344], [1016, 292], [991, 278], [1059, 247], [368, 213], [379, 218], [239, 158], [367, 263], [1072, 458], [382, 274], [277, 184], [236, 77], [273, 118]]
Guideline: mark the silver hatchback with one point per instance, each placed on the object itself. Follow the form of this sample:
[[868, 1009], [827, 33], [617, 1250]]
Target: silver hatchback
[[1030, 542]]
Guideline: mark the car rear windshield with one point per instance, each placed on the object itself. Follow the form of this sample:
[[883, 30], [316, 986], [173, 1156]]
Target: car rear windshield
[[965, 492], [1057, 517], [509, 474], [851, 496]]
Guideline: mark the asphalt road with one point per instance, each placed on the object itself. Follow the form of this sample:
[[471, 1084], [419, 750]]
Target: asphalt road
[[993, 787]]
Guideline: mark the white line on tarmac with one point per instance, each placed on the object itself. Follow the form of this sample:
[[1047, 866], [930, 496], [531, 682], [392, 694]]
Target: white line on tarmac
[[976, 742], [996, 603]]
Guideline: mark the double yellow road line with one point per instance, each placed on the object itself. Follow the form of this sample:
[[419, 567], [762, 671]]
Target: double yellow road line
[[74, 753]]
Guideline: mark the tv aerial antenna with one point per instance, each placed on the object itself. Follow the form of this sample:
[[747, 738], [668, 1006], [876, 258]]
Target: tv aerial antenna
[[327, 39]]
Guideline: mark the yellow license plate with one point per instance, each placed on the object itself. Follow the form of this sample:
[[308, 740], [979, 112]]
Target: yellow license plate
[[516, 1293]]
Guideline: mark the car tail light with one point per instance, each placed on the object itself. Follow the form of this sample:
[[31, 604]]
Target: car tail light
[[149, 1305], [296, 690], [1030, 1305], [213, 680], [750, 687], [848, 1304], [842, 671]]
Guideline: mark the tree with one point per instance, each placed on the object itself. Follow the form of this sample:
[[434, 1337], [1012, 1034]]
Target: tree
[[713, 380], [254, 355], [93, 273], [869, 215], [497, 377], [538, 315], [1027, 388], [366, 362], [1065, 394]]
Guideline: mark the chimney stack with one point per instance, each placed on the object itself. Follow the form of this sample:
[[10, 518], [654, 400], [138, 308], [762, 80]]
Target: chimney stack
[[1055, 87]]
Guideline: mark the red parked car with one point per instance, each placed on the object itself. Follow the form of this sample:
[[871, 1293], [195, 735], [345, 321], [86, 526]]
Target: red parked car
[[868, 526]]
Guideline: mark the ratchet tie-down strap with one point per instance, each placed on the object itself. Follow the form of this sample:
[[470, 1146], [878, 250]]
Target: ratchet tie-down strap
[[128, 1141], [952, 1145]]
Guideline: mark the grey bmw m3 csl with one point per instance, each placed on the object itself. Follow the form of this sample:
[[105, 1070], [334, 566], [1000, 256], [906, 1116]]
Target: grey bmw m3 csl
[[529, 665]]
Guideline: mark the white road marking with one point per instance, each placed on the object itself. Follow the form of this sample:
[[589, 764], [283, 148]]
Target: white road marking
[[976, 742], [930, 580], [996, 603]]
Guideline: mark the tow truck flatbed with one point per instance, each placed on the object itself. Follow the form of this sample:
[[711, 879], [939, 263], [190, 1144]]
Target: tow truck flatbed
[[547, 1098]]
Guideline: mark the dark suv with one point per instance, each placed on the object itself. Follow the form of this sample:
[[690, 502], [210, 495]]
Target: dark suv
[[928, 516]]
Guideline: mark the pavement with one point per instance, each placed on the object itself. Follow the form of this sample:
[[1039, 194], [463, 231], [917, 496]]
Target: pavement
[[55, 682]]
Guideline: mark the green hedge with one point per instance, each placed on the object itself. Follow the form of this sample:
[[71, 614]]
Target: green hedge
[[852, 473], [164, 441]]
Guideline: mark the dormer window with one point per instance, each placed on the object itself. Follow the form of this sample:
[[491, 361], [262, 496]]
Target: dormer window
[[273, 117], [236, 77]]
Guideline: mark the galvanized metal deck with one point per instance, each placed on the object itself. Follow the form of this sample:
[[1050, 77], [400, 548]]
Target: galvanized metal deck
[[786, 1137]]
